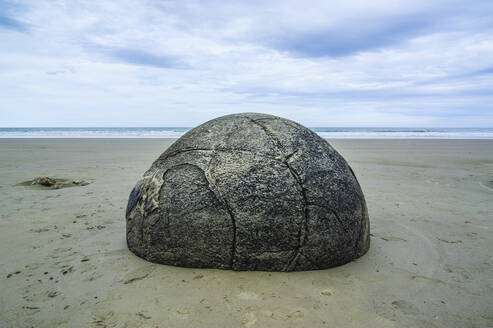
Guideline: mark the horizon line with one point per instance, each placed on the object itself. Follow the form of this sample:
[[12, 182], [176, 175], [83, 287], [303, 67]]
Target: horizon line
[[191, 127]]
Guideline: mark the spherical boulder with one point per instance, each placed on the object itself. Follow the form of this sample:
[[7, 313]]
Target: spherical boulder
[[249, 192]]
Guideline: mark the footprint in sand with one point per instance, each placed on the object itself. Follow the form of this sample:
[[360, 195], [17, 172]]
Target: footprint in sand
[[249, 320], [488, 185], [248, 296], [138, 274], [405, 307], [181, 313], [13, 273], [142, 315], [89, 271], [39, 230], [287, 314], [462, 273], [93, 276], [52, 293], [62, 252], [392, 238], [104, 320], [327, 292], [458, 241]]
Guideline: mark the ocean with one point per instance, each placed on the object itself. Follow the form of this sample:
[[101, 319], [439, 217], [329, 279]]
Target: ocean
[[176, 132]]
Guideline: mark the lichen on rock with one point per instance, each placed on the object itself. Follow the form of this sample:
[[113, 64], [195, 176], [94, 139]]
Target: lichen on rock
[[249, 192]]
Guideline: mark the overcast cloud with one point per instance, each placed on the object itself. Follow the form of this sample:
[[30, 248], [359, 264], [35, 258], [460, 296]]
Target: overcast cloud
[[322, 63]]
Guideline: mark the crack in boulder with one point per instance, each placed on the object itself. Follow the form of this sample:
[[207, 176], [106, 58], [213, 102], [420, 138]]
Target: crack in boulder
[[220, 196], [340, 222], [303, 230], [226, 150], [363, 222]]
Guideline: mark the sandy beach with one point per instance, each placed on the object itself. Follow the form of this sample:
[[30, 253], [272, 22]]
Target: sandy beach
[[65, 262]]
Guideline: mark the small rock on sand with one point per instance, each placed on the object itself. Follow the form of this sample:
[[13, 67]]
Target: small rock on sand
[[54, 183], [44, 181]]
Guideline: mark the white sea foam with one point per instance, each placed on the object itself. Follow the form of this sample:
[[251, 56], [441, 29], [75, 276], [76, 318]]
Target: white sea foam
[[325, 132], [408, 135]]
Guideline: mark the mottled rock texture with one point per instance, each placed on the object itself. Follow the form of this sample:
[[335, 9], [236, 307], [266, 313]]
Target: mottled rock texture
[[249, 192]]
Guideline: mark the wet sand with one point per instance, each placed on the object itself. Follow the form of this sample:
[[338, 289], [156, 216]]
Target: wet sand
[[64, 260]]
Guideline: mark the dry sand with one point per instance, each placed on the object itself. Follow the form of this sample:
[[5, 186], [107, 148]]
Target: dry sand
[[64, 260]]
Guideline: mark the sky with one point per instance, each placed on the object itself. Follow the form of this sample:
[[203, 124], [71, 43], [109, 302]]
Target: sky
[[180, 63]]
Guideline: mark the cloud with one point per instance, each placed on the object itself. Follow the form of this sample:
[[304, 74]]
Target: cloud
[[143, 58], [8, 21], [483, 71], [139, 57], [12, 24], [337, 63], [471, 75], [354, 38]]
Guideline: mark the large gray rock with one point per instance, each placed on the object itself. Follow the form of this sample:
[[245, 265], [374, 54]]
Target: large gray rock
[[249, 192]]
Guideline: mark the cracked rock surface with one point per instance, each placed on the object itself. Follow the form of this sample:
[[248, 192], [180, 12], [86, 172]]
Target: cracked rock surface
[[249, 192]]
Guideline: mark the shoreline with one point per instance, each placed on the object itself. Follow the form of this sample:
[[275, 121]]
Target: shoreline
[[158, 138]]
